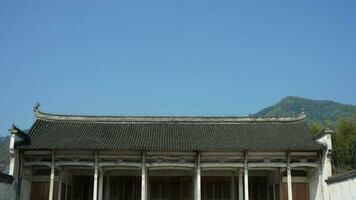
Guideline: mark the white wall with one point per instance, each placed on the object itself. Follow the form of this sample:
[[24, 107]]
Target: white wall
[[7, 191], [345, 190], [26, 184], [317, 185]]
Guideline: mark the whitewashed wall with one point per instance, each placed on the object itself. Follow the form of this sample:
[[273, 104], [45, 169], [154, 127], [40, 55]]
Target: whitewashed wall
[[343, 190], [7, 192], [7, 189]]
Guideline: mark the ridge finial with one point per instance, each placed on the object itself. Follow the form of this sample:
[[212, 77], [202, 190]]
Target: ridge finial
[[328, 128], [36, 107]]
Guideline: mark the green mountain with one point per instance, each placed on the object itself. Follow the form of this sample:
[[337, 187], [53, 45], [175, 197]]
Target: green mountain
[[316, 110]]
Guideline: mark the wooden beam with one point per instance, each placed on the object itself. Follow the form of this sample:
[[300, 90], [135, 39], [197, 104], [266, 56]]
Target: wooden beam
[[170, 164], [266, 164], [171, 168], [39, 163], [75, 163], [120, 164], [218, 169], [221, 165], [304, 164]]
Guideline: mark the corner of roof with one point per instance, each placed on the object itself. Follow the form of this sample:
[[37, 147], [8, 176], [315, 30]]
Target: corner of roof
[[322, 133], [18, 132]]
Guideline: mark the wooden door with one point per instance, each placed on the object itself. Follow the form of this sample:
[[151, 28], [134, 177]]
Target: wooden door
[[257, 187], [170, 188], [39, 191], [82, 187], [216, 188], [300, 191]]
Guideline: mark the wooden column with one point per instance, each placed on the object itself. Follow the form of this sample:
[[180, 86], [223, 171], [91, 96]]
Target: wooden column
[[232, 184], [60, 180], [96, 171], [246, 177], [51, 182], [66, 197], [241, 187], [195, 186], [107, 188], [143, 178], [289, 178], [101, 179], [198, 178], [281, 184]]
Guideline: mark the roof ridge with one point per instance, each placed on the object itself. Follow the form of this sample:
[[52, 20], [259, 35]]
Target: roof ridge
[[96, 118]]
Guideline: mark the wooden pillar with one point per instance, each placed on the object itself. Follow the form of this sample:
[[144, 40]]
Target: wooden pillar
[[51, 182], [241, 189], [107, 188], [246, 177], [232, 184], [101, 179], [281, 184], [96, 171], [198, 178], [195, 186], [66, 197], [289, 178], [143, 178], [60, 180]]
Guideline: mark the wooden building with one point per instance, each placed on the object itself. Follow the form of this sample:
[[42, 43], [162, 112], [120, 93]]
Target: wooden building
[[76, 157]]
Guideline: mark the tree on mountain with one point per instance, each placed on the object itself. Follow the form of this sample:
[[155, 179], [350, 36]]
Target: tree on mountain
[[344, 143], [345, 137], [315, 127]]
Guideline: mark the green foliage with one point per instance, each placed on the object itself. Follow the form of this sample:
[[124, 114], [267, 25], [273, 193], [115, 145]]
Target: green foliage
[[345, 136], [315, 127], [344, 144]]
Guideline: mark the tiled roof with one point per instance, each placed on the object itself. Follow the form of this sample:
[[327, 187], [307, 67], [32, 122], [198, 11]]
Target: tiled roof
[[341, 177], [169, 133]]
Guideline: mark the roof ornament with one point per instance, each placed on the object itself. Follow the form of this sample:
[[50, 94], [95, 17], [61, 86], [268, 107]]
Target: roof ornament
[[328, 128], [13, 128], [36, 107]]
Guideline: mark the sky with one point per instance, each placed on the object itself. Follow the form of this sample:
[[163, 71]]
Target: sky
[[151, 57]]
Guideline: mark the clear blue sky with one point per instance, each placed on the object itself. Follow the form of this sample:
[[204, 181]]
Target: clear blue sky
[[172, 57]]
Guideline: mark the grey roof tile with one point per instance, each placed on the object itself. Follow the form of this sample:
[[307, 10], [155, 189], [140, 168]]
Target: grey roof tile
[[169, 133]]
